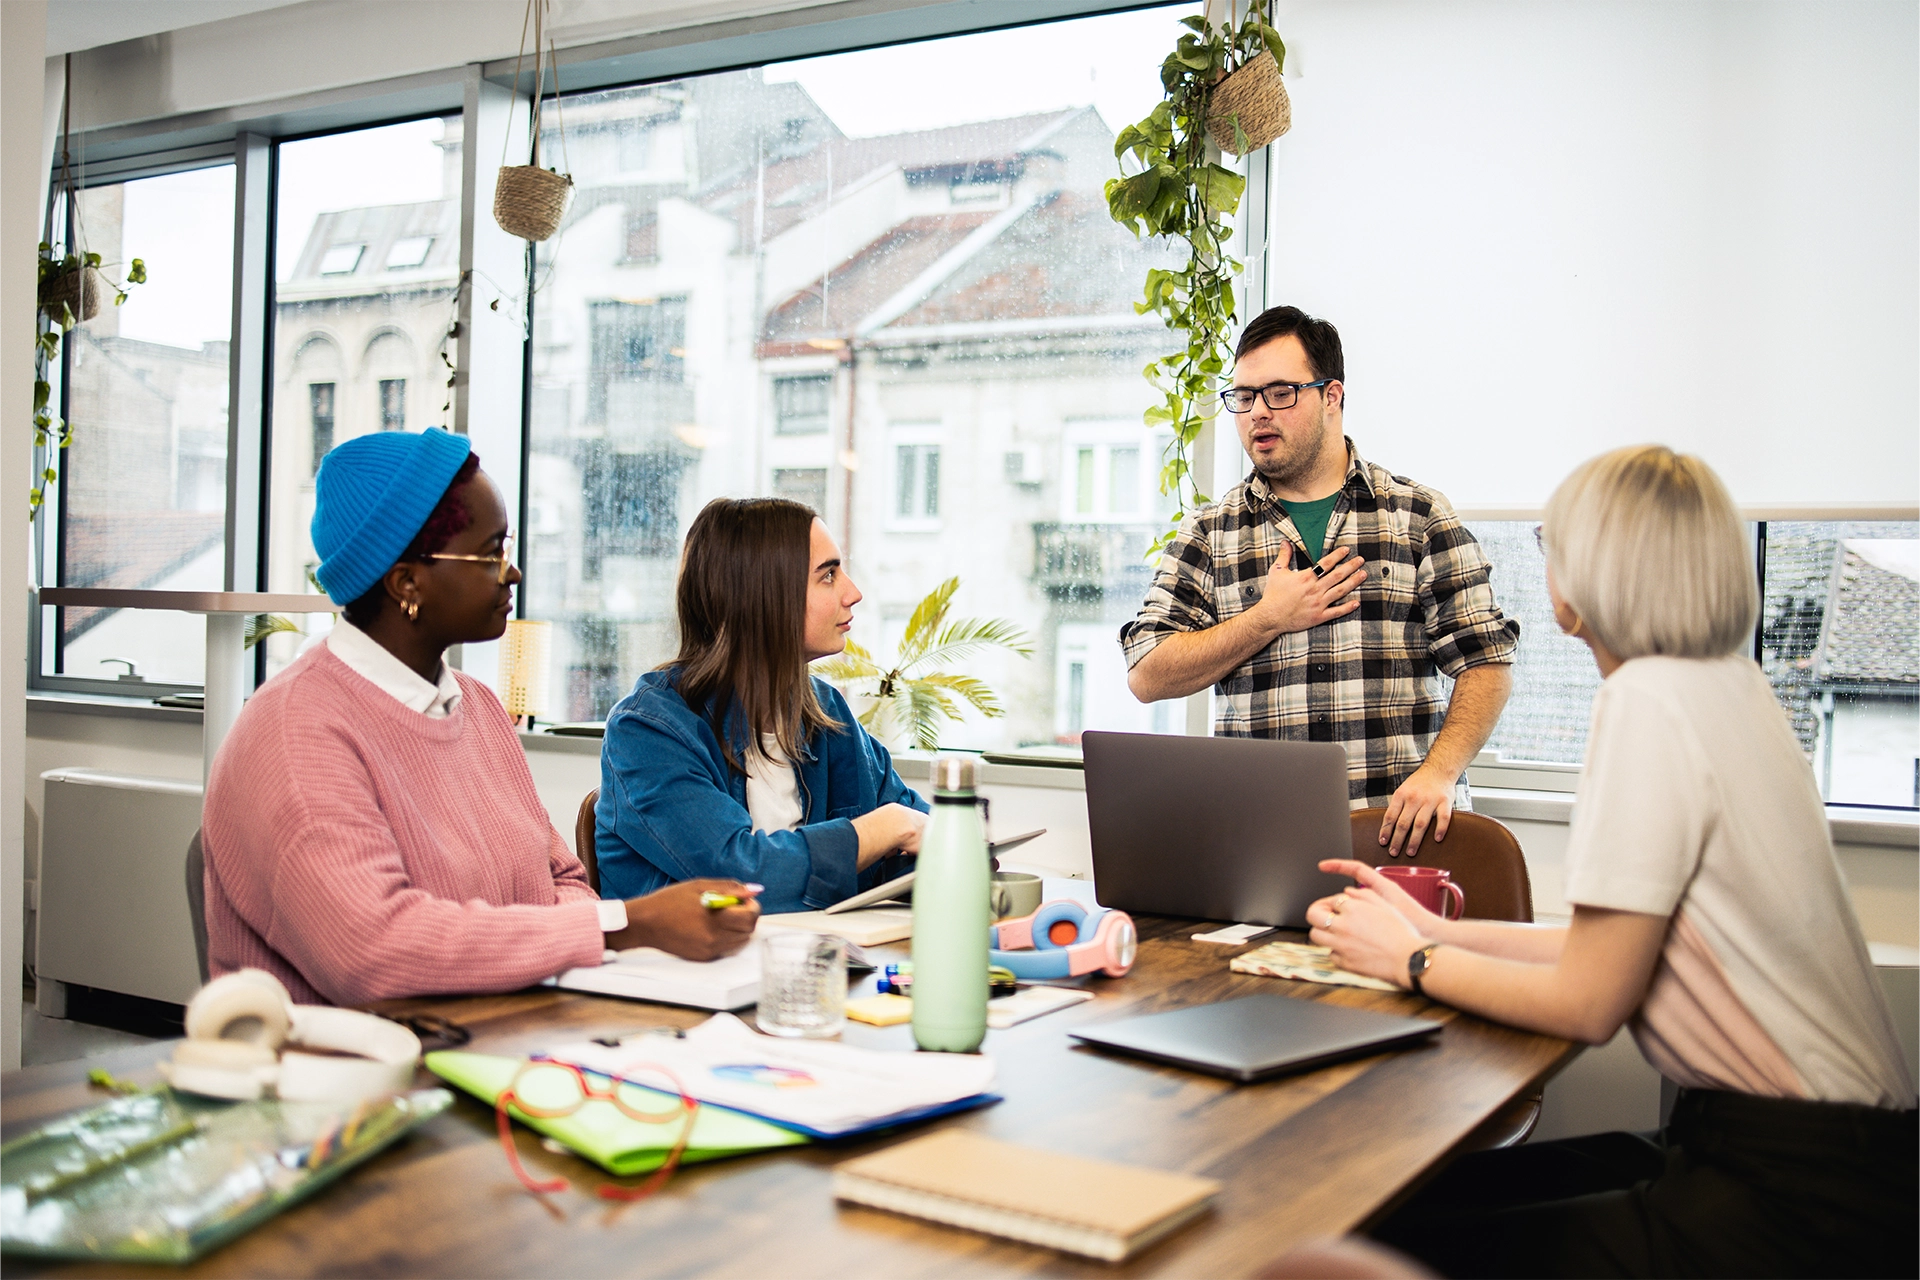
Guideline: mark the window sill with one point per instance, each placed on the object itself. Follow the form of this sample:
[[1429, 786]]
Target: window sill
[[86, 704]]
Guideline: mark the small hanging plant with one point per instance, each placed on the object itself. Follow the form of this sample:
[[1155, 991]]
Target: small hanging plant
[[528, 201], [70, 288], [68, 293], [1222, 85]]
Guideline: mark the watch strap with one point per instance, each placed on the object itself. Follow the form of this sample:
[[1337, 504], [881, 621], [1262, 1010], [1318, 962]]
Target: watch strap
[[1417, 967]]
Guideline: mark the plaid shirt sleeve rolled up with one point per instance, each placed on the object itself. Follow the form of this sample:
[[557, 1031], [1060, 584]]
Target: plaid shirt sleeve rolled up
[[1369, 680]]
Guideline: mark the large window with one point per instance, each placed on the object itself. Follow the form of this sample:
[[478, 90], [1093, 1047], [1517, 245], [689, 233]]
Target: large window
[[142, 498], [366, 260], [908, 310]]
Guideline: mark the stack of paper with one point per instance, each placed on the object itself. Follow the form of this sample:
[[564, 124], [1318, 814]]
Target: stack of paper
[[646, 974], [817, 1087]]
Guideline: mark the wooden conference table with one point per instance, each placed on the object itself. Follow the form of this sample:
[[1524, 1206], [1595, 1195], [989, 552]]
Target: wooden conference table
[[1301, 1157]]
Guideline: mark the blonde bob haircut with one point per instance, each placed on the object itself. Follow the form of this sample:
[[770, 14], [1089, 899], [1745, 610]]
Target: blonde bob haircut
[[1647, 547]]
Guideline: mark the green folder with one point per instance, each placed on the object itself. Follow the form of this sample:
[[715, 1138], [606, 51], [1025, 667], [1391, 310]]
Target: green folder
[[607, 1136]]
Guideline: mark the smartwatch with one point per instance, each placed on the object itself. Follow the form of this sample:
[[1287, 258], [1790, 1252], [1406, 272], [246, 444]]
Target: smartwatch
[[1417, 965]]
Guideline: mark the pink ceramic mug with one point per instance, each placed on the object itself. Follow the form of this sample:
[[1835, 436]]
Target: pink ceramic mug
[[1431, 887]]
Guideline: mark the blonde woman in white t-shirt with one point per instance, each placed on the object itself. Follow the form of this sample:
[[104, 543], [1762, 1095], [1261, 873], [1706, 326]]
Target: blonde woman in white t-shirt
[[1710, 917]]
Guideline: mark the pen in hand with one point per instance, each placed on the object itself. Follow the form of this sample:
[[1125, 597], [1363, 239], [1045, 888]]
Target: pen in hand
[[719, 901]]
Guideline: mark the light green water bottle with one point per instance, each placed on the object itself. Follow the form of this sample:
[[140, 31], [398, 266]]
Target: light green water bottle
[[950, 915]]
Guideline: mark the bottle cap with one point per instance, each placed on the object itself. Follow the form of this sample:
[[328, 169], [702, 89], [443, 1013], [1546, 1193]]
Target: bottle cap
[[955, 775]]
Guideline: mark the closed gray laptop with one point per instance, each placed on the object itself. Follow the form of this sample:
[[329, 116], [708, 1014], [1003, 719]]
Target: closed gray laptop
[[1257, 1036], [1215, 828]]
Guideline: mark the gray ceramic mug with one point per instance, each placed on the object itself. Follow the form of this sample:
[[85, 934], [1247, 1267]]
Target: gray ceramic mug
[[1015, 893]]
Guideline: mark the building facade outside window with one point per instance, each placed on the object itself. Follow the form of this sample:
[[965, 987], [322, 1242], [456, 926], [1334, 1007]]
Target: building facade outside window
[[915, 300]]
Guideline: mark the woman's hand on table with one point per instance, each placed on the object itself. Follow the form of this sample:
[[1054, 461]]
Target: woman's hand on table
[[890, 829], [1373, 927], [673, 920]]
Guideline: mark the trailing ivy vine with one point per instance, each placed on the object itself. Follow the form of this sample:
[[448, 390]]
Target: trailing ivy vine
[[1179, 189], [51, 432]]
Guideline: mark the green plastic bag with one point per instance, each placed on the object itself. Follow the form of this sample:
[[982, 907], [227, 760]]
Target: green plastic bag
[[167, 1177]]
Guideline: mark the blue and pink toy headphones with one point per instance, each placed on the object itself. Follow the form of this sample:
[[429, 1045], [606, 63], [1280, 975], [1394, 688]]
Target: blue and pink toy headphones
[[1064, 939]]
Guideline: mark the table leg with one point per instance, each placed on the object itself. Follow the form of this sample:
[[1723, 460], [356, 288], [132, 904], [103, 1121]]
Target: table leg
[[226, 681]]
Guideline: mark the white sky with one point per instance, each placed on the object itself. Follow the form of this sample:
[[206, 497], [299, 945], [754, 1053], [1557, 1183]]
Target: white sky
[[181, 226], [1110, 62]]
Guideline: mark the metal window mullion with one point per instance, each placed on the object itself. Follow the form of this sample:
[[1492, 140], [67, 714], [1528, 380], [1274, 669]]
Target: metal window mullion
[[247, 361]]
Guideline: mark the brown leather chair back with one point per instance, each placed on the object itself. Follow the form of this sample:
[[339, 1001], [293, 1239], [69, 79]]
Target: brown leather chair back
[[583, 847], [1483, 856]]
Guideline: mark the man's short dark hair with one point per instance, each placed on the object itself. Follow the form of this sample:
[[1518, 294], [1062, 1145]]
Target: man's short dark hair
[[1318, 338]]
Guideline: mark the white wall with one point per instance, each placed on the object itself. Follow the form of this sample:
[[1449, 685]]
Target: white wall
[[23, 35], [1551, 229]]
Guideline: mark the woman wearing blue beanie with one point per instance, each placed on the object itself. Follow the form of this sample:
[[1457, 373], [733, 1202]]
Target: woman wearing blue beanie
[[371, 828]]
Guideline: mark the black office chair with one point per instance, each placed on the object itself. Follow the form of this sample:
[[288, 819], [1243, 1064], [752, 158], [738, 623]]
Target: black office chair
[[197, 900]]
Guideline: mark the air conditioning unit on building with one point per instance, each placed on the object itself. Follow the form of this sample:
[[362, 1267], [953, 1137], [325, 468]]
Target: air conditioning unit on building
[[1023, 465]]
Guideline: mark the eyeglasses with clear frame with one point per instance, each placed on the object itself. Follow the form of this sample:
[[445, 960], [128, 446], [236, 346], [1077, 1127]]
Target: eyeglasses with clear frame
[[1278, 395], [504, 560], [543, 1089]]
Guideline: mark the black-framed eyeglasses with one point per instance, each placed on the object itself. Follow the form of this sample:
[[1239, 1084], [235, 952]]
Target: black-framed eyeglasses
[[1278, 395], [504, 560]]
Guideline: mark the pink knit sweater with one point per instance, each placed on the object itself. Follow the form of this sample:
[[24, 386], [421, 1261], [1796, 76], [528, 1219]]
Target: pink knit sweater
[[357, 850]]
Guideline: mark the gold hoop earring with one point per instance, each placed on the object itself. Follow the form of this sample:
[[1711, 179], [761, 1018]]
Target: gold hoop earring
[[1574, 630], [413, 610]]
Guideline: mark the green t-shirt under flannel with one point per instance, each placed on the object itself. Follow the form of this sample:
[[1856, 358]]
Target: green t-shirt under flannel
[[1310, 518]]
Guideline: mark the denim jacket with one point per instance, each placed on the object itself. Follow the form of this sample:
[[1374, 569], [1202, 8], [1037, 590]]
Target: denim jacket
[[671, 808]]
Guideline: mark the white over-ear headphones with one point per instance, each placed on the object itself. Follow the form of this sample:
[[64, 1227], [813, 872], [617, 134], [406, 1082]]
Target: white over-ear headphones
[[240, 1023]]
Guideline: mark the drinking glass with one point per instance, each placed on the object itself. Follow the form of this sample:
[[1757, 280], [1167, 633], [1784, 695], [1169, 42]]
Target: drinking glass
[[803, 984]]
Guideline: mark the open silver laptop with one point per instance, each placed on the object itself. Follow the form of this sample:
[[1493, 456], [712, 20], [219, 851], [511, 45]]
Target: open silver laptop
[[1215, 828]]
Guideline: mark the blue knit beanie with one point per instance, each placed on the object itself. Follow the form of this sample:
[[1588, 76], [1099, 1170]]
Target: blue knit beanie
[[373, 494]]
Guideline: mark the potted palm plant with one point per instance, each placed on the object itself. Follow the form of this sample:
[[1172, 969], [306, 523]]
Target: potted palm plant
[[913, 695]]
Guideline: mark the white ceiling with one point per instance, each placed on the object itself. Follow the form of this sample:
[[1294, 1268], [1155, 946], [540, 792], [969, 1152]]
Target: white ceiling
[[73, 25]]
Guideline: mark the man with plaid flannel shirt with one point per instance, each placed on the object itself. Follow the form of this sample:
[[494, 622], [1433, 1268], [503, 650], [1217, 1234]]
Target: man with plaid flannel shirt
[[1323, 596]]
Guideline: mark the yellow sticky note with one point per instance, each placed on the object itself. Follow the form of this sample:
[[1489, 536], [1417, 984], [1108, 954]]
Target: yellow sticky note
[[882, 1010]]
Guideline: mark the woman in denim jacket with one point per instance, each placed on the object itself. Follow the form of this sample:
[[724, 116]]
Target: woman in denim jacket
[[731, 760]]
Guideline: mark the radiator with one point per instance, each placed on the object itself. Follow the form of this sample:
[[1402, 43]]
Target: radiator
[[113, 888]]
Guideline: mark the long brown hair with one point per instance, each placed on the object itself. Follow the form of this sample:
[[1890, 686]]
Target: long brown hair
[[742, 601]]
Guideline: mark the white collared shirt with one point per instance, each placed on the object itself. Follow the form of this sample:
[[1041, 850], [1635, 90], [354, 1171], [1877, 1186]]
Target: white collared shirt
[[369, 659]]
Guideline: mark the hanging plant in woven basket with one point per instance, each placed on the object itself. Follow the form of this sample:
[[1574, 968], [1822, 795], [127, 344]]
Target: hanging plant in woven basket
[[529, 201], [1223, 94], [1250, 107]]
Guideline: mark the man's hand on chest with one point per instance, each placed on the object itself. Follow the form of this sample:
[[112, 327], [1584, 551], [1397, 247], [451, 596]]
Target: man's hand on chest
[[1300, 599]]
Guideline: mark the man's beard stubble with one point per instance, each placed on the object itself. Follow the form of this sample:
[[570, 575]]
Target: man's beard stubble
[[1297, 458]]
